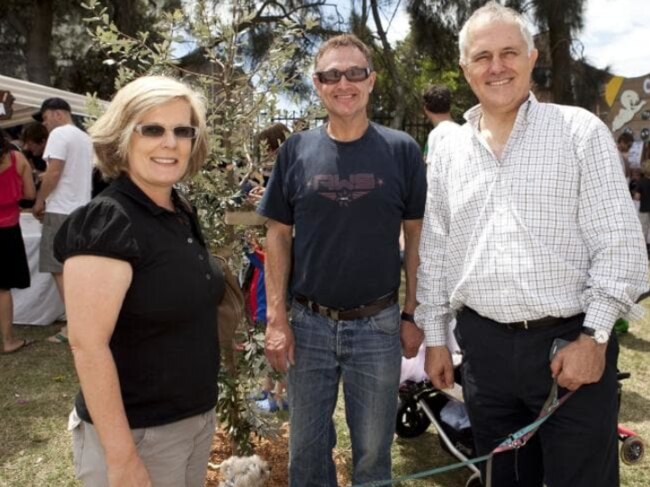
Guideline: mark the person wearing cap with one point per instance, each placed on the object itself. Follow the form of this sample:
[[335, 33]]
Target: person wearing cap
[[65, 185]]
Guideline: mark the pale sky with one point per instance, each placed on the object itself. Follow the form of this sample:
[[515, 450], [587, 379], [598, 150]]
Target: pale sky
[[616, 33]]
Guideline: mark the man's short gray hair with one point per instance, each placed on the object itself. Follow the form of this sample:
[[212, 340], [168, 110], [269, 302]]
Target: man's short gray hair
[[494, 12]]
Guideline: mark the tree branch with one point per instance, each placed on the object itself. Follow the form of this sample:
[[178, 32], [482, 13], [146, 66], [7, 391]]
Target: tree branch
[[389, 57]]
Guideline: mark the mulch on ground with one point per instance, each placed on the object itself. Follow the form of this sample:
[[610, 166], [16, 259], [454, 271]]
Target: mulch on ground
[[275, 451]]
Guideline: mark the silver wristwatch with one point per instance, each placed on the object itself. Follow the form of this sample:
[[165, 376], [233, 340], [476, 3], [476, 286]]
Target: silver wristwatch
[[600, 336]]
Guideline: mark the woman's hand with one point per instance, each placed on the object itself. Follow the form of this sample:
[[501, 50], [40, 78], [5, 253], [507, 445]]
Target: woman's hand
[[131, 473], [38, 210]]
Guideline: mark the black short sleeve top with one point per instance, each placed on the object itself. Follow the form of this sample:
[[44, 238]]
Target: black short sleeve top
[[165, 342]]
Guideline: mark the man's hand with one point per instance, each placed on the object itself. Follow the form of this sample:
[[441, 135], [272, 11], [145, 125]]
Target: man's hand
[[439, 367], [254, 196], [279, 345], [411, 337], [131, 473], [579, 363], [38, 210]]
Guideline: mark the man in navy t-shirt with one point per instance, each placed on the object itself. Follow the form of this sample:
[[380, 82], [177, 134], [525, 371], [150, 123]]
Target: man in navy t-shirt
[[336, 201]]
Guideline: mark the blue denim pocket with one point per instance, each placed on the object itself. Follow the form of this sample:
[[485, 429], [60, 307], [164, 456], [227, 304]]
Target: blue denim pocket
[[387, 320], [297, 313]]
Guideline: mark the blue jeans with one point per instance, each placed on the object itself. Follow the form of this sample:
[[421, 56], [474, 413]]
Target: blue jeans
[[366, 354]]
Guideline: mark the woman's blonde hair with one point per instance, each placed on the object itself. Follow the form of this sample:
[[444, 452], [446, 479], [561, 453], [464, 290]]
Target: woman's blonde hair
[[112, 132]]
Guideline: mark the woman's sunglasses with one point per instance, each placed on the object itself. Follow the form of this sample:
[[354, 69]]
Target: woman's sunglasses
[[333, 76], [155, 130]]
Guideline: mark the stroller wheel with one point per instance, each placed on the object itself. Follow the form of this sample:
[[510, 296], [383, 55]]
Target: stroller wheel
[[411, 420], [632, 450], [474, 481]]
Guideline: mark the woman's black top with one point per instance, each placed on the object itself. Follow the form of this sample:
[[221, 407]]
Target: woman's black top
[[165, 342]]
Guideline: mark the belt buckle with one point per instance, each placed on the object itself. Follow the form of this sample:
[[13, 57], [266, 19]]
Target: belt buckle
[[334, 314]]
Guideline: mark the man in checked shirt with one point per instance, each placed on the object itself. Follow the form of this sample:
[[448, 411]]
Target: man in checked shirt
[[529, 235]]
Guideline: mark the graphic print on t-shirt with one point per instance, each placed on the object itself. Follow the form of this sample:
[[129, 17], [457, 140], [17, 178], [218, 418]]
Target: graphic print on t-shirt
[[344, 191]]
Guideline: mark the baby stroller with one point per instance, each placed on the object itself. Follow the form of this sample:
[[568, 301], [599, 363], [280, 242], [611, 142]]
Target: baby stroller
[[421, 404], [632, 445]]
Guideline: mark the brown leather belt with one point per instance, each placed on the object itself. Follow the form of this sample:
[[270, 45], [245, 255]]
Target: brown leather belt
[[530, 324], [363, 311]]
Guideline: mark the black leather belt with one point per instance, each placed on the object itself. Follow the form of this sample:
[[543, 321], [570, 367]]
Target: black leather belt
[[530, 324], [363, 311]]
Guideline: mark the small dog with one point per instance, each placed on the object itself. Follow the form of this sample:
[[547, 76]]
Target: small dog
[[245, 472]]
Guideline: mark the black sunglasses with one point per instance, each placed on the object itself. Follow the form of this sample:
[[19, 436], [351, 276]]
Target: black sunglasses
[[155, 130], [333, 76]]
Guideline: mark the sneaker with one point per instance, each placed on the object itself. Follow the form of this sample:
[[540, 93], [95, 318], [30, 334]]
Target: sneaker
[[268, 405], [259, 396]]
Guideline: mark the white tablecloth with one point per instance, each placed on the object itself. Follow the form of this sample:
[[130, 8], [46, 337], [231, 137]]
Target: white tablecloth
[[39, 304]]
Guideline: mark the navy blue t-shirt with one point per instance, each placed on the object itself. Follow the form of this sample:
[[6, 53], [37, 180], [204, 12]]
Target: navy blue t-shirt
[[346, 201]]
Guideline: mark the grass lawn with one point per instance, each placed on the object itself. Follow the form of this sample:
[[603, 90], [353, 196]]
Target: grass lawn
[[38, 386]]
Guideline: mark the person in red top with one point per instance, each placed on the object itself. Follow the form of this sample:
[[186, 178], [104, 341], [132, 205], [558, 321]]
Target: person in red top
[[16, 183]]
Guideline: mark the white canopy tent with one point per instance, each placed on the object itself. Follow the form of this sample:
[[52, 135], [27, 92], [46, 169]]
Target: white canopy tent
[[29, 96]]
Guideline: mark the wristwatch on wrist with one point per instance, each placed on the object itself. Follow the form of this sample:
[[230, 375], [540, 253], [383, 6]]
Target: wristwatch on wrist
[[600, 336], [407, 317]]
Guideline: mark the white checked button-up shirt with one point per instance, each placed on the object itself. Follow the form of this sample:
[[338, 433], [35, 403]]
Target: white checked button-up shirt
[[547, 230]]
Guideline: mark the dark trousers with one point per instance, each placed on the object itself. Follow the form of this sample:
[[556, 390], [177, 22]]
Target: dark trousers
[[506, 380]]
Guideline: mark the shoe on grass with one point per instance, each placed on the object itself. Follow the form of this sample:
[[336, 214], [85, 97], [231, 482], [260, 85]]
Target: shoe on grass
[[259, 395], [268, 405], [58, 338]]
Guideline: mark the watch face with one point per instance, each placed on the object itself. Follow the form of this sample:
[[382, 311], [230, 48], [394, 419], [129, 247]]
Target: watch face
[[601, 336]]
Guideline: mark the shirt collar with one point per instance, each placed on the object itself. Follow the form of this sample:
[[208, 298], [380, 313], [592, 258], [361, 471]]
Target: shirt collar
[[524, 113], [125, 185]]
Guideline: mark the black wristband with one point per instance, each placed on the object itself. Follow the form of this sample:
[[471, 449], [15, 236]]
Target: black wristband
[[407, 317], [25, 203]]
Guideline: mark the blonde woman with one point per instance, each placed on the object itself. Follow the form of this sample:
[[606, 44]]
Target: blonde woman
[[142, 295]]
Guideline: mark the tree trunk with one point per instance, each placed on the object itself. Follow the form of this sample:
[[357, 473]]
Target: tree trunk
[[39, 38], [389, 56], [125, 16], [364, 11], [559, 33]]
